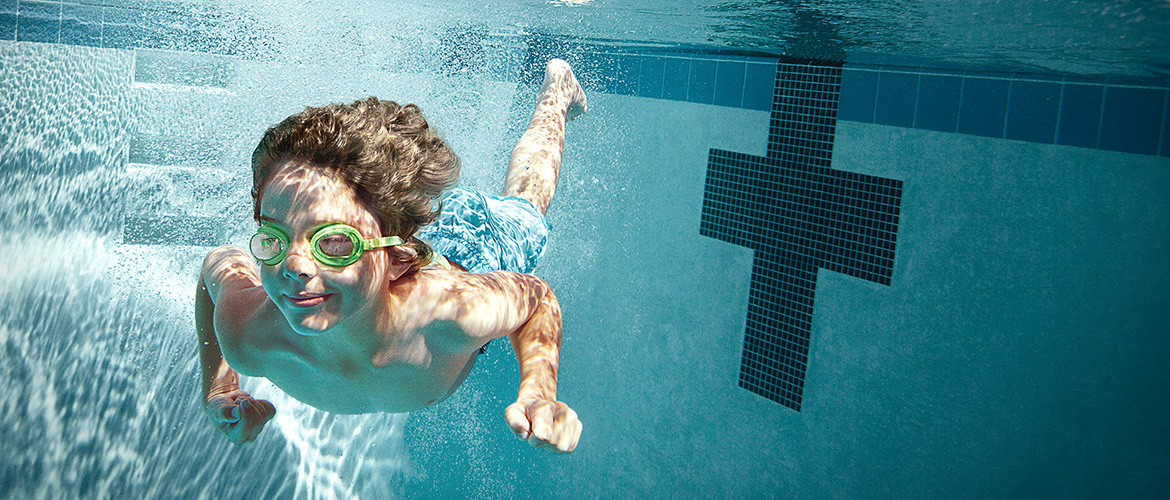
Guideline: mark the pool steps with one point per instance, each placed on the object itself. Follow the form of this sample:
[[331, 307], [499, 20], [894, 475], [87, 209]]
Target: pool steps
[[183, 188]]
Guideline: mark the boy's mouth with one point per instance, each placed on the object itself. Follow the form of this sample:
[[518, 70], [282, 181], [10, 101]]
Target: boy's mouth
[[308, 300]]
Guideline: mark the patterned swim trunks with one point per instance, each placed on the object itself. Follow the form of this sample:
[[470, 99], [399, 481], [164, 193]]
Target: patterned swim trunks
[[486, 233]]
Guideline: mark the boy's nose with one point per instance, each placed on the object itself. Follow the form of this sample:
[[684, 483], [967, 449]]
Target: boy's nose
[[298, 265]]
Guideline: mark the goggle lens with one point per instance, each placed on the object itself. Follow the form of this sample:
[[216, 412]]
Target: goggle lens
[[335, 245], [267, 245]]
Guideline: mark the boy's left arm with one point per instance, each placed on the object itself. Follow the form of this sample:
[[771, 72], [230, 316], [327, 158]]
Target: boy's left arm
[[536, 415], [529, 302]]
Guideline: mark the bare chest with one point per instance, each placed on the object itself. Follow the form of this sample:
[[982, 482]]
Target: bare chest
[[362, 385], [405, 373]]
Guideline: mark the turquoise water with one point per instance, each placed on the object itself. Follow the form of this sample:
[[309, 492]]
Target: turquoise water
[[1019, 351]]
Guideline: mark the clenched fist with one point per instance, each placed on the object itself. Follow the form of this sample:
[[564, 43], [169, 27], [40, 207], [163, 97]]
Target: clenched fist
[[549, 425], [238, 416]]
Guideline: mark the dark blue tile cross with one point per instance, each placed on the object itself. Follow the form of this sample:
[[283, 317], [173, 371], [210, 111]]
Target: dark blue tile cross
[[798, 214]]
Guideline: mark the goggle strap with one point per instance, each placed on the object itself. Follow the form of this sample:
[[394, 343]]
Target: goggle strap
[[385, 241], [437, 258]]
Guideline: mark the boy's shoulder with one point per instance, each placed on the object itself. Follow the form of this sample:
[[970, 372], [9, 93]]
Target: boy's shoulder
[[228, 268], [483, 305], [233, 281], [435, 294]]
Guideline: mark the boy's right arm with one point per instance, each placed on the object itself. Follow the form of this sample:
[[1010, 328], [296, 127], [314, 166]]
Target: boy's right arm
[[235, 413]]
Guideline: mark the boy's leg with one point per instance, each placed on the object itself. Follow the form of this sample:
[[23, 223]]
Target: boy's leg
[[536, 159]]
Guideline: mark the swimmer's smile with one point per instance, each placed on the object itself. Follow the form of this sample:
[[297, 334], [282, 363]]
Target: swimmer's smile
[[308, 300]]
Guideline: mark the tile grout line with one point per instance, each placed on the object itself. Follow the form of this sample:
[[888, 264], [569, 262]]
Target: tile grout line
[[743, 87], [662, 85], [715, 82], [959, 111]]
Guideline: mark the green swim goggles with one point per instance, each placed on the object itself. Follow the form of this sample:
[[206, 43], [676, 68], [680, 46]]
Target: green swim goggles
[[335, 245]]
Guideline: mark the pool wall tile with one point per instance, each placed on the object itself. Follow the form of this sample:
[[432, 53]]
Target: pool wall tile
[[127, 4], [759, 83], [702, 81], [1017, 104], [625, 72], [81, 25], [729, 78], [858, 95], [897, 93], [154, 30], [676, 79], [39, 22], [8, 19], [650, 77], [938, 103], [1131, 119], [121, 28], [166, 30], [594, 78], [611, 73], [1080, 115], [599, 73], [983, 106], [1032, 111]]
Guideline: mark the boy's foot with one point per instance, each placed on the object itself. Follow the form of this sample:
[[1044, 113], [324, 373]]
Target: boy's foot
[[560, 82]]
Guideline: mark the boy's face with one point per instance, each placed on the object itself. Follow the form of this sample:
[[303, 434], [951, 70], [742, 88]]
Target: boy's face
[[312, 296]]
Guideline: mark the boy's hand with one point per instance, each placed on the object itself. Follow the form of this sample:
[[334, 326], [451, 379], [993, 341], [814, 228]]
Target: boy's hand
[[550, 425], [238, 416]]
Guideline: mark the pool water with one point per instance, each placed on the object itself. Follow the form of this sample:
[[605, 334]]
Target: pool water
[[1007, 339]]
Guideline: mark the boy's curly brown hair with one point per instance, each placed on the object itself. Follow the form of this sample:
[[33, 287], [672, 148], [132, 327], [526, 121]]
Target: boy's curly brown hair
[[396, 164]]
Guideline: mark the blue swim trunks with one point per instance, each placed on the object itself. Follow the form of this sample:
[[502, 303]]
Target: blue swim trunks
[[486, 233]]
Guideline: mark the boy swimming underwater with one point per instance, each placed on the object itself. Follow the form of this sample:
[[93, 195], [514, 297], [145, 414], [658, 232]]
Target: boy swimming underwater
[[341, 303]]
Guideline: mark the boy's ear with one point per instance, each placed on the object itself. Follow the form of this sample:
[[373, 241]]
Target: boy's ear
[[402, 253], [401, 257]]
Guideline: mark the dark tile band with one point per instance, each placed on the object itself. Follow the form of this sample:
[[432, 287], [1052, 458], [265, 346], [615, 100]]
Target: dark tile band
[[1117, 114]]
